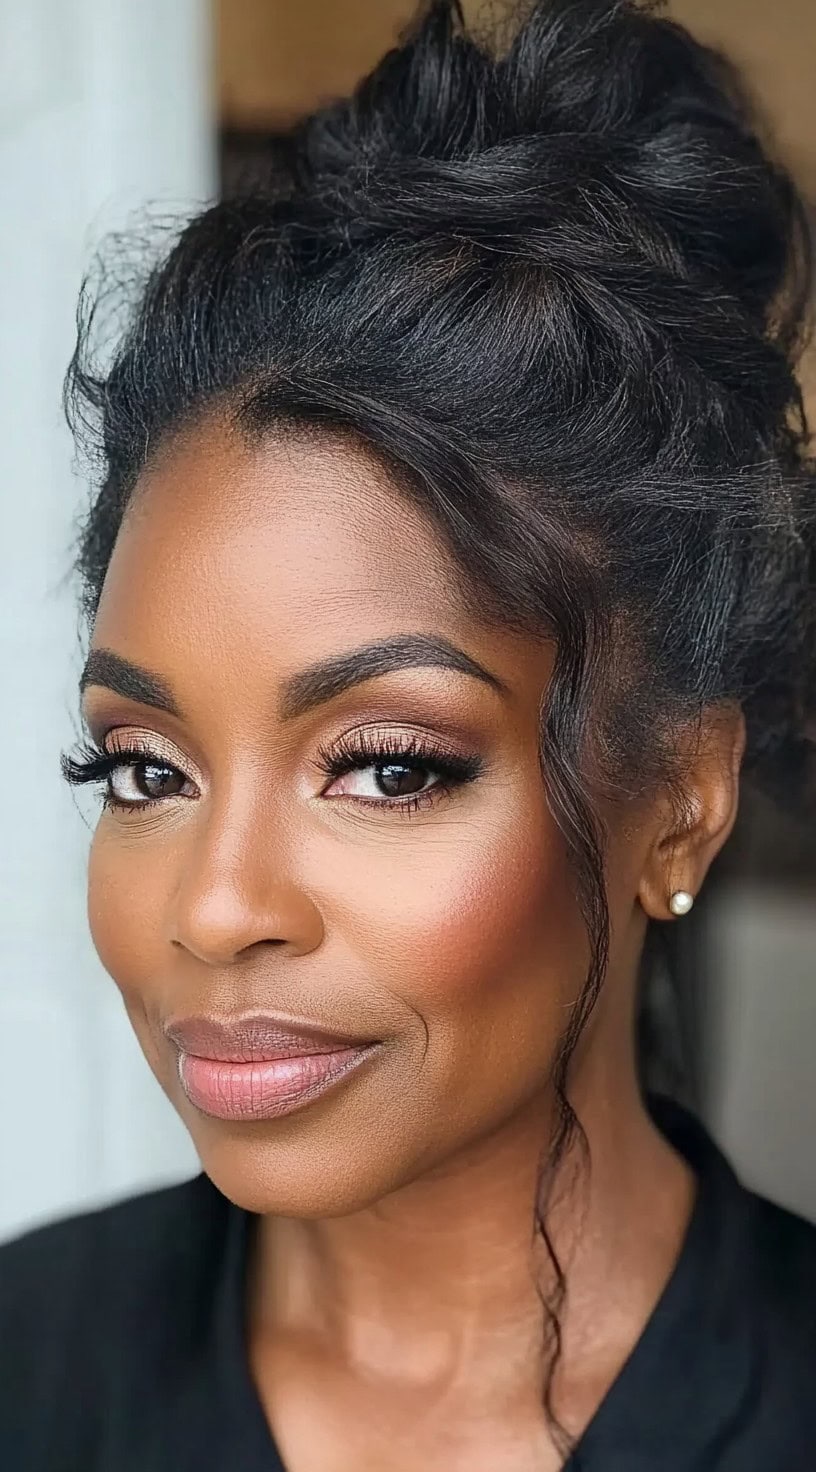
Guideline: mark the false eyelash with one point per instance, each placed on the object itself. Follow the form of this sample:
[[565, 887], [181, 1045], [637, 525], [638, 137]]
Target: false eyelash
[[92, 764], [360, 750]]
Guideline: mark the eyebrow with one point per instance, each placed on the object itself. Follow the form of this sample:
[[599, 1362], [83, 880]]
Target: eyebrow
[[309, 688], [330, 677], [110, 670]]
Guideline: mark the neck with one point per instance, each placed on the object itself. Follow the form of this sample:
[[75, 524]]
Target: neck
[[434, 1286]]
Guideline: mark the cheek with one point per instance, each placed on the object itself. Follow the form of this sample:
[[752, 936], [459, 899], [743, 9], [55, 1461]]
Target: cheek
[[484, 942], [503, 919], [128, 882], [460, 922], [127, 896]]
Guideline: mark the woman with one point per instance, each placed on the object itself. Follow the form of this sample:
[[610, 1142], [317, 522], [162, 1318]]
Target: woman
[[452, 558]]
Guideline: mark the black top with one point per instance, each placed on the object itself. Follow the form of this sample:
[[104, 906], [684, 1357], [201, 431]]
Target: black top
[[121, 1341]]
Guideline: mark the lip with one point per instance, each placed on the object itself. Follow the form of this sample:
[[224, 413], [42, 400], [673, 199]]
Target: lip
[[260, 1066], [257, 1038]]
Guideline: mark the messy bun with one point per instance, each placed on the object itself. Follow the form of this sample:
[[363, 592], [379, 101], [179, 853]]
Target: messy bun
[[556, 283]]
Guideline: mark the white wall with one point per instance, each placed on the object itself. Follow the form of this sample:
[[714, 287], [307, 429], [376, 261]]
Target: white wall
[[103, 104]]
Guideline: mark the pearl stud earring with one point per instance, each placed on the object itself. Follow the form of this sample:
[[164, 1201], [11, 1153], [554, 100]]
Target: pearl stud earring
[[681, 902]]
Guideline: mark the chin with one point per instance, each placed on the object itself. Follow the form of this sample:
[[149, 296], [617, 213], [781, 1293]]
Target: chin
[[263, 1168]]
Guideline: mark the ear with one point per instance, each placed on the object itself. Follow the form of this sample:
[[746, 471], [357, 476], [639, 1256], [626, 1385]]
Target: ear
[[687, 842]]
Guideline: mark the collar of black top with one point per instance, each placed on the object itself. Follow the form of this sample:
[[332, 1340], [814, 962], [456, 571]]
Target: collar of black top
[[691, 1376]]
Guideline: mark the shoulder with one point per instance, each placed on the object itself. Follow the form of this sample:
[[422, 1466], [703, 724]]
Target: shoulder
[[760, 1251], [98, 1301], [145, 1237], [782, 1266], [776, 1306]]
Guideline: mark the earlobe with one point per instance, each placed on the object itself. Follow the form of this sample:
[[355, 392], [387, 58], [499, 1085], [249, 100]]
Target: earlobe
[[689, 841]]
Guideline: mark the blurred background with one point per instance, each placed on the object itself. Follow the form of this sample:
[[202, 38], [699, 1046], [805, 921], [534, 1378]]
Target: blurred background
[[106, 105]]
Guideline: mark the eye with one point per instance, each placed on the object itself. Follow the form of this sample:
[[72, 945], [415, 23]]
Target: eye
[[134, 783], [394, 771], [386, 780], [130, 777]]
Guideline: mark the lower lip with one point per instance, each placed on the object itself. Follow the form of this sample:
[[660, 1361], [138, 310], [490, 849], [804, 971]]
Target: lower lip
[[264, 1090]]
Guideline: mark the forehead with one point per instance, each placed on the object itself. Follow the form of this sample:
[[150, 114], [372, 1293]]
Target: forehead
[[289, 541]]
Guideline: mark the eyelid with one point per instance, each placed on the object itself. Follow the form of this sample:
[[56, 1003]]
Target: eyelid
[[444, 736], [385, 739], [127, 739]]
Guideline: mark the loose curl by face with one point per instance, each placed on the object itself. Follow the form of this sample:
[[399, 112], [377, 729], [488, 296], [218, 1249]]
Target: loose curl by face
[[558, 287]]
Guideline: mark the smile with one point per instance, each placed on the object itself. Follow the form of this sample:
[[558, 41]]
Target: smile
[[265, 1089]]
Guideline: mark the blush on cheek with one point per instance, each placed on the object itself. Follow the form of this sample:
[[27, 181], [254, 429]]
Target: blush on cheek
[[124, 911], [124, 916], [484, 943], [103, 908], [467, 930]]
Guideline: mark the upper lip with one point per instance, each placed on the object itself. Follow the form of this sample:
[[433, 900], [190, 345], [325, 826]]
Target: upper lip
[[255, 1038]]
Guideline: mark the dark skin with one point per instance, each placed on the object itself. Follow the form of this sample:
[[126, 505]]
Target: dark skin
[[392, 1317]]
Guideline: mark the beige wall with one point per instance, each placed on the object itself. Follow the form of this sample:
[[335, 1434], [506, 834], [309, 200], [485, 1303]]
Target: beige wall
[[775, 43], [277, 58]]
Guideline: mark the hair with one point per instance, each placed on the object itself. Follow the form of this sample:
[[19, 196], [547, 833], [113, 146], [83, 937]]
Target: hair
[[555, 281]]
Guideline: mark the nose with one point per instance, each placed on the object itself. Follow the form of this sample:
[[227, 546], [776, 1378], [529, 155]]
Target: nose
[[237, 891]]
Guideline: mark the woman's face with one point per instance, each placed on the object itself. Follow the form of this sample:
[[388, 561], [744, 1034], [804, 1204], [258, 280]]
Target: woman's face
[[435, 915]]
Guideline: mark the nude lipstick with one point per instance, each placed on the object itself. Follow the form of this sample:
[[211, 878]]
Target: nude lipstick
[[260, 1067]]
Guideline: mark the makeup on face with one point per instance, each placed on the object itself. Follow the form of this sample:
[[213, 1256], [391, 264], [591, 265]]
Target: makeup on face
[[261, 1066], [325, 880]]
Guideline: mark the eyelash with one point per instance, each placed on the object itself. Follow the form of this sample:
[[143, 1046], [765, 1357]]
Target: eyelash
[[94, 765], [360, 750]]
